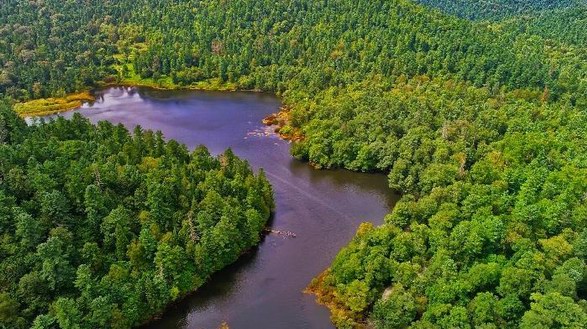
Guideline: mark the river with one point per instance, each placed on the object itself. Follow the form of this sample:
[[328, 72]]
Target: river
[[322, 207]]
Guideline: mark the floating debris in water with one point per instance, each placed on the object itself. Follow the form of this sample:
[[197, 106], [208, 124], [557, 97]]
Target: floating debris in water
[[284, 234]]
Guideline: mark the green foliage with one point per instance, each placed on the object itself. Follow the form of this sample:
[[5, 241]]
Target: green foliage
[[554, 311], [481, 126], [565, 25], [103, 229], [490, 230], [397, 310], [53, 48], [497, 9]]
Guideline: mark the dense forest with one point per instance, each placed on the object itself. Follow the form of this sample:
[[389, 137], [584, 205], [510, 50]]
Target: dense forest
[[566, 26], [480, 125], [491, 231], [304, 46], [101, 228]]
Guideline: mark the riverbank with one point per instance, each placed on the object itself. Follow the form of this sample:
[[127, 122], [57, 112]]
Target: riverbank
[[168, 84], [145, 323], [324, 288], [350, 197]]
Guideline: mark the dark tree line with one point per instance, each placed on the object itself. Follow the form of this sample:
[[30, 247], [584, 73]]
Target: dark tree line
[[498, 9]]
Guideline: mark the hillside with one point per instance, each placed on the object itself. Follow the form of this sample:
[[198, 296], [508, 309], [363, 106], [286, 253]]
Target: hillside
[[480, 126], [250, 45], [567, 26]]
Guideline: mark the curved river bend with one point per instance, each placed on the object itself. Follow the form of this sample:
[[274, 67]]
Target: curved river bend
[[323, 208]]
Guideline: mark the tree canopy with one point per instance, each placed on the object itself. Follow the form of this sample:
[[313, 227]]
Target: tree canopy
[[479, 122], [103, 228], [498, 9]]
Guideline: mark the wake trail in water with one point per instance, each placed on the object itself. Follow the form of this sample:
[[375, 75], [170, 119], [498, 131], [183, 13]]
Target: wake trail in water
[[308, 195]]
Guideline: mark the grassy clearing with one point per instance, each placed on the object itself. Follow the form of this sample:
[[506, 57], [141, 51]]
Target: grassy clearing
[[47, 106]]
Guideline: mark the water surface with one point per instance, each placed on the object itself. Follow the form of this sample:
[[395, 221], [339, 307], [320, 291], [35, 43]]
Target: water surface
[[323, 208]]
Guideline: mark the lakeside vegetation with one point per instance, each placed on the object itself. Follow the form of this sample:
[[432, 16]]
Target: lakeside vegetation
[[101, 228], [47, 106], [481, 126]]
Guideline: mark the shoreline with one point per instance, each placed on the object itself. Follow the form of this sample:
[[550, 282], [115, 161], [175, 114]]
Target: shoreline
[[201, 86], [73, 101], [53, 105], [181, 298], [325, 295], [280, 121]]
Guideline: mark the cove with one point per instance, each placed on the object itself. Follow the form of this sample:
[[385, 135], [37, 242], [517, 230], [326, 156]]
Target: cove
[[322, 207]]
